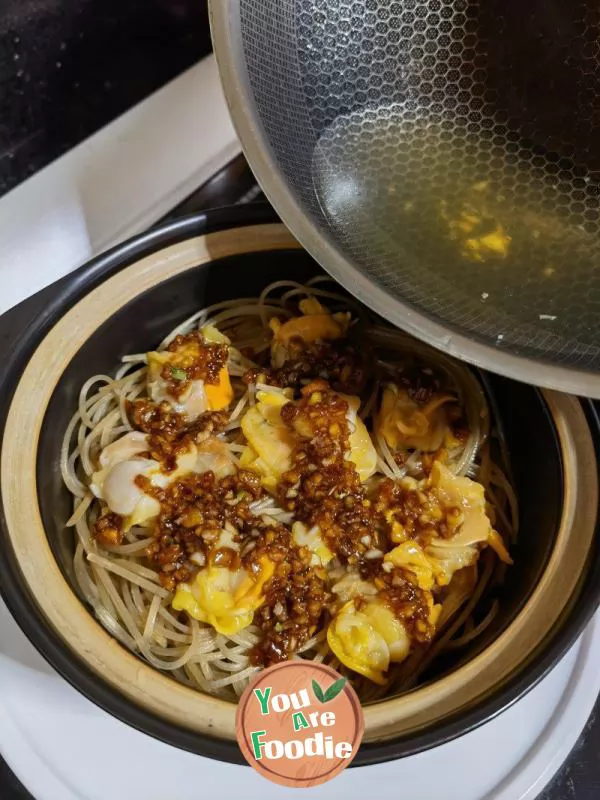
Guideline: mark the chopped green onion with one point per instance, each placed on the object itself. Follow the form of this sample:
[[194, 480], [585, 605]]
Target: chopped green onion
[[178, 374]]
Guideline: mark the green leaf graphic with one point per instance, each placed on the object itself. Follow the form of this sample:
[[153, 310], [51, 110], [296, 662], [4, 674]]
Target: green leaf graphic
[[318, 692], [330, 693], [333, 691]]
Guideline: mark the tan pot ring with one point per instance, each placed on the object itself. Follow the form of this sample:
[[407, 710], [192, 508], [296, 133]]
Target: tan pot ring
[[157, 693]]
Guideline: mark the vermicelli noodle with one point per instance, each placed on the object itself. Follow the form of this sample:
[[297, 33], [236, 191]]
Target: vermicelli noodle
[[154, 568]]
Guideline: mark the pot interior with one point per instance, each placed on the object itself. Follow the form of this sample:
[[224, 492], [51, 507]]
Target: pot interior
[[521, 416]]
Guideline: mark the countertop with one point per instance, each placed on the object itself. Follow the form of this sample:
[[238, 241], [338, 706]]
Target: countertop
[[69, 67]]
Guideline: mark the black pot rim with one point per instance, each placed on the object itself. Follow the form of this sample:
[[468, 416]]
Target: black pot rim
[[58, 654]]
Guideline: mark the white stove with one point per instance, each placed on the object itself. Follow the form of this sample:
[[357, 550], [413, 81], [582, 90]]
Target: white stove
[[60, 745]]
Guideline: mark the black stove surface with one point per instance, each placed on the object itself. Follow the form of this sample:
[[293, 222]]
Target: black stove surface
[[69, 67], [579, 778]]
